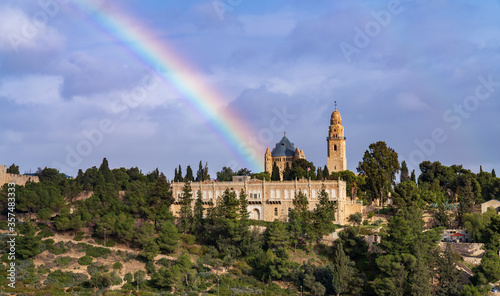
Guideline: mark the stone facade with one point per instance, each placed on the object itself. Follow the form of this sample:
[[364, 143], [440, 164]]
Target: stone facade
[[336, 160], [14, 178], [495, 204], [268, 201]]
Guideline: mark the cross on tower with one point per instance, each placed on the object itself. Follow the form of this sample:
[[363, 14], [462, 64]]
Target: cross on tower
[[335, 105]]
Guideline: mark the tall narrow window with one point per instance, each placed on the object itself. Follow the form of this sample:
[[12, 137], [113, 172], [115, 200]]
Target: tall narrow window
[[275, 211], [335, 147]]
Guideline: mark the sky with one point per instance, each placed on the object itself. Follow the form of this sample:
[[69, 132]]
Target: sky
[[154, 84]]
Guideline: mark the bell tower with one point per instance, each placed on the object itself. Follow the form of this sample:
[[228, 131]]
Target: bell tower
[[336, 160]]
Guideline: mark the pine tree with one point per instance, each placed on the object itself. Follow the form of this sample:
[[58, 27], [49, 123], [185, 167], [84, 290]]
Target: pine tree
[[466, 202], [168, 237], [342, 270], [189, 174], [493, 174], [276, 235], [420, 277], [186, 212], [159, 201], [324, 215], [275, 176], [449, 276], [198, 223], [404, 173], [244, 215]]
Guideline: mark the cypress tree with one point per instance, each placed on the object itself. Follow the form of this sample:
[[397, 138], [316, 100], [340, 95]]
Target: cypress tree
[[275, 176], [326, 173], [404, 173], [413, 177], [189, 174]]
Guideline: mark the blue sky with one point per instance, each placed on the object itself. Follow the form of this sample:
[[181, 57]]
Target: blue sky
[[422, 75]]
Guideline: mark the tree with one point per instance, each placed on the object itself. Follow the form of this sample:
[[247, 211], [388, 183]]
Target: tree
[[13, 169], [244, 172], [276, 235], [324, 214], [185, 220], [319, 173], [342, 270], [420, 276], [198, 220], [449, 276], [139, 278], [493, 174], [159, 201], [489, 270], [189, 174], [275, 176], [178, 175], [356, 218], [168, 237], [380, 165], [326, 173], [287, 173], [466, 200], [244, 214], [407, 194], [226, 174], [105, 171], [412, 177], [404, 173]]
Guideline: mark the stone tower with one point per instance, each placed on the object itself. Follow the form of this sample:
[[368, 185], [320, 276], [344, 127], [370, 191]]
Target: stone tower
[[336, 160]]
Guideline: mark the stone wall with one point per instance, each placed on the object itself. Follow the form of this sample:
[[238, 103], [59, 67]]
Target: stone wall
[[268, 201], [14, 178]]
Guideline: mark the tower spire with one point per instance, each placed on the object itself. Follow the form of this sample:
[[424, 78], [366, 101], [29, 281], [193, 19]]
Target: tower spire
[[335, 105]]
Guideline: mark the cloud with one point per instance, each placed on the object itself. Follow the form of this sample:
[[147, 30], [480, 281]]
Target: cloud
[[32, 89], [20, 32], [410, 101]]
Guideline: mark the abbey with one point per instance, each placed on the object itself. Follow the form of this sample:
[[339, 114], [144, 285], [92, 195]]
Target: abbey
[[270, 200]]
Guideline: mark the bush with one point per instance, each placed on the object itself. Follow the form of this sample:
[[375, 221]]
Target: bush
[[79, 236], [188, 239], [62, 279], [164, 262], [370, 215], [4, 225], [56, 249], [85, 260], [45, 231], [129, 277], [110, 243], [366, 222], [194, 250], [95, 252], [118, 265], [63, 261], [150, 267]]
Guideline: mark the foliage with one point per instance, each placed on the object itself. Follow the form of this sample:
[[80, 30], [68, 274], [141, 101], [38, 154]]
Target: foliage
[[380, 165]]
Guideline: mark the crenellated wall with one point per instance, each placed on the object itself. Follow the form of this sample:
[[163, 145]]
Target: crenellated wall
[[14, 178]]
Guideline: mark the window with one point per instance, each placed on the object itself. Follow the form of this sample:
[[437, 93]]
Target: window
[[275, 211], [335, 147]]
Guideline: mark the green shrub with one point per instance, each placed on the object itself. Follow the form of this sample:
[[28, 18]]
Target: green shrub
[[85, 260], [110, 243], [63, 261], [129, 277], [4, 225], [42, 269], [95, 252], [188, 239], [56, 249], [366, 222], [118, 265], [164, 261], [79, 236], [370, 215], [62, 279], [45, 231], [150, 267]]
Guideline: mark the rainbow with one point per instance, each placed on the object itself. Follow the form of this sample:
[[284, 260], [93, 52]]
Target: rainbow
[[155, 53]]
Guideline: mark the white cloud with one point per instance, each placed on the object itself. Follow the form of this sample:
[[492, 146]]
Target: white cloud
[[278, 24], [19, 32], [411, 102], [32, 89]]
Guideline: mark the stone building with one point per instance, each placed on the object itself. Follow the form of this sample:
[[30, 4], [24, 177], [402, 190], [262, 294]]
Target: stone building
[[336, 160], [270, 200], [14, 178], [283, 153]]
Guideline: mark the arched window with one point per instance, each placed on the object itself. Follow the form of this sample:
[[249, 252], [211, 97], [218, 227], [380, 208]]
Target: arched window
[[335, 147], [275, 211]]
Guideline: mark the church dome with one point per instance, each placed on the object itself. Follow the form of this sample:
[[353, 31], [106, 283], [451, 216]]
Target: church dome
[[336, 119]]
